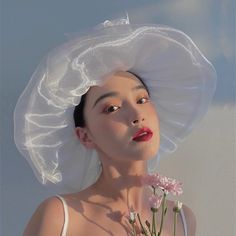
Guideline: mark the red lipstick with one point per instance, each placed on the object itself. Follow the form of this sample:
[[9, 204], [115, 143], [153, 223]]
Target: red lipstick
[[143, 134]]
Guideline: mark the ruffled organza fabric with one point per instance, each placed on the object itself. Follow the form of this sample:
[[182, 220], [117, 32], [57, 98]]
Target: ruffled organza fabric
[[180, 79]]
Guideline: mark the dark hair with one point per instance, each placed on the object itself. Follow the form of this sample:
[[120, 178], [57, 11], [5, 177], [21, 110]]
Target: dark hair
[[79, 109], [79, 113]]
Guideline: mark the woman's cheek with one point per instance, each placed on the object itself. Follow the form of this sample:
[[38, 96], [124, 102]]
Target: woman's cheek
[[109, 127], [113, 129], [154, 111]]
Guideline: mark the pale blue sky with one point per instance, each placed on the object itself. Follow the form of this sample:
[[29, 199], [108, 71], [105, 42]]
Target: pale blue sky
[[29, 29]]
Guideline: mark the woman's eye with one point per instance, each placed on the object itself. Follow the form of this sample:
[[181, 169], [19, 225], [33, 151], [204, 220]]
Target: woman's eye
[[111, 109], [143, 100]]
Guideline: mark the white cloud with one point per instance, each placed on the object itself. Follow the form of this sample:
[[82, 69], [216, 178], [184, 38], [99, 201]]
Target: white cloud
[[208, 22]]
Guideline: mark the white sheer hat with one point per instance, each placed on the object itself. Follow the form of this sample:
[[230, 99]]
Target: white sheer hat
[[181, 82]]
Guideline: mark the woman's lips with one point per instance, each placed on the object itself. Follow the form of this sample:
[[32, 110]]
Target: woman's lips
[[143, 134]]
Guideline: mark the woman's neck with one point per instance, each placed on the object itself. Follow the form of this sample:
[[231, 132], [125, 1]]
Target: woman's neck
[[122, 185]]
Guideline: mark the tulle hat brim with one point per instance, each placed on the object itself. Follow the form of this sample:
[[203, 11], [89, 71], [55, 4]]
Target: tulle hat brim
[[180, 79]]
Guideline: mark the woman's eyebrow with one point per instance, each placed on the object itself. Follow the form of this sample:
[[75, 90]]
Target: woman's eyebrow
[[116, 94]]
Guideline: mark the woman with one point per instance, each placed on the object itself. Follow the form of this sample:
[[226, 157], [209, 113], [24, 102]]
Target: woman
[[119, 119]]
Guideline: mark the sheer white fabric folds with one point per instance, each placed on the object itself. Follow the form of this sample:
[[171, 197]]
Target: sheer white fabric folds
[[180, 79]]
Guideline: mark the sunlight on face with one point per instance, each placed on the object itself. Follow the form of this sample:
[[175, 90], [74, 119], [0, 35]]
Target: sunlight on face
[[115, 112]]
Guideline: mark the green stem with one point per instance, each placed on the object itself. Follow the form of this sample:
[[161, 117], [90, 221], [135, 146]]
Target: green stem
[[175, 219], [162, 213], [140, 222], [134, 231], [150, 231], [154, 230]]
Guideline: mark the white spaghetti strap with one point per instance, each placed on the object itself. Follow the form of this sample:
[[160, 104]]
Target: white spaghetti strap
[[183, 221], [66, 215]]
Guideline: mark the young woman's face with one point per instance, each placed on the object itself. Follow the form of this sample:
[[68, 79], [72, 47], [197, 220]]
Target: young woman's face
[[114, 113]]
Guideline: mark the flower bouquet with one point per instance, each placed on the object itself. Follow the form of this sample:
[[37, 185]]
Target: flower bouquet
[[166, 185]]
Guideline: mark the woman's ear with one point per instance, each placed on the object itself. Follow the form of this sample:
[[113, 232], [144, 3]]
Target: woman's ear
[[83, 136]]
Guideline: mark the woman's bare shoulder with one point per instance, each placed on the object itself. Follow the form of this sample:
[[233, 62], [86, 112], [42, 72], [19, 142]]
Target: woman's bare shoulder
[[189, 217], [49, 213]]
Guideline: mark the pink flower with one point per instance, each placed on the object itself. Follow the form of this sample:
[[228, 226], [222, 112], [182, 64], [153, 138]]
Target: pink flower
[[131, 216], [166, 184], [178, 206], [155, 201], [152, 180], [173, 186]]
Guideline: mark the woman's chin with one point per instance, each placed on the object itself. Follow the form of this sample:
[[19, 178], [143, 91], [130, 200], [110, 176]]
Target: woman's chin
[[147, 152], [145, 155]]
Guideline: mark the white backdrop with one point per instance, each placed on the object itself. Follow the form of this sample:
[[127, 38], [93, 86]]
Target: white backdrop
[[205, 163]]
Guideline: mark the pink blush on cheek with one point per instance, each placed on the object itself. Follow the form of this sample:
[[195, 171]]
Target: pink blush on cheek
[[113, 129]]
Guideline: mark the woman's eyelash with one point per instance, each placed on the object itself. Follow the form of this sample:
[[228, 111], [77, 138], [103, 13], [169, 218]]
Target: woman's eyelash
[[110, 109], [114, 108], [144, 100]]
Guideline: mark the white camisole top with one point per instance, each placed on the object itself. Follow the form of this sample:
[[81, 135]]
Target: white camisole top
[[66, 217]]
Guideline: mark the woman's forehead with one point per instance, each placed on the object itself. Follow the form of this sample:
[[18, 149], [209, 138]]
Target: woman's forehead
[[119, 81]]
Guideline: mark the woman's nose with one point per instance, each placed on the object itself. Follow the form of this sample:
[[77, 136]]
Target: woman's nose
[[136, 116], [137, 121]]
